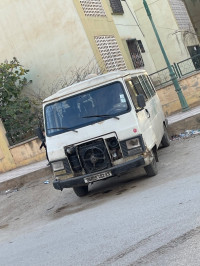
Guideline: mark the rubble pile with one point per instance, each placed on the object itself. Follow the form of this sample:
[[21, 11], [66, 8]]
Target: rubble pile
[[186, 134]]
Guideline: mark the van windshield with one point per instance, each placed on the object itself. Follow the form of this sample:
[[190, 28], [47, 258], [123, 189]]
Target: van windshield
[[87, 108]]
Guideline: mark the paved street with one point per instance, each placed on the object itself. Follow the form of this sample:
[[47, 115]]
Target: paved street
[[131, 220]]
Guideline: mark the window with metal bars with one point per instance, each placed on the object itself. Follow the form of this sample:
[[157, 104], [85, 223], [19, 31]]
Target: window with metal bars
[[135, 53], [116, 6]]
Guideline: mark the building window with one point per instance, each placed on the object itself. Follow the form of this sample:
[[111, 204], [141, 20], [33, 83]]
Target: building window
[[110, 52], [93, 8], [135, 53], [181, 15], [147, 86], [116, 6]]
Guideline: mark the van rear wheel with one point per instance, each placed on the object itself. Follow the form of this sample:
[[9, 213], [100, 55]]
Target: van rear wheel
[[81, 191], [151, 169], [165, 139]]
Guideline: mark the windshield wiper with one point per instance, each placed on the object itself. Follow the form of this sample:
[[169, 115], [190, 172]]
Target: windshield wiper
[[69, 129], [111, 116]]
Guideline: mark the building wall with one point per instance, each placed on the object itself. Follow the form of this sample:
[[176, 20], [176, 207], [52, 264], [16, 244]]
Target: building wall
[[173, 40], [27, 152], [19, 155], [53, 38], [128, 27], [101, 26], [46, 36], [190, 88], [6, 159], [193, 8]]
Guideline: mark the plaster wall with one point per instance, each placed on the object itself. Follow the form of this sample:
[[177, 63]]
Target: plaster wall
[[97, 26], [46, 36], [6, 160], [27, 152], [193, 8], [128, 27], [172, 39], [19, 155], [191, 89]]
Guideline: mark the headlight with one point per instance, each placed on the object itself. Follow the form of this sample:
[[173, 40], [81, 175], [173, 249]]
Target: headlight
[[58, 165], [132, 143]]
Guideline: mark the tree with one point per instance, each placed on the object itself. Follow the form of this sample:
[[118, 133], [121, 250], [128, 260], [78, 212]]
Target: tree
[[16, 111], [66, 78]]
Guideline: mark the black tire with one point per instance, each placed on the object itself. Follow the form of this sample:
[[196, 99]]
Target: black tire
[[81, 191], [165, 139], [151, 169]]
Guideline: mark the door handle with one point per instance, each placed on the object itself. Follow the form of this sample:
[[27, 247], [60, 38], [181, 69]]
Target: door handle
[[148, 114]]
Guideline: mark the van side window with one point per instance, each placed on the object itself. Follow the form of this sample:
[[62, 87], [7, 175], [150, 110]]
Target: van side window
[[138, 87], [147, 86], [133, 93], [152, 86]]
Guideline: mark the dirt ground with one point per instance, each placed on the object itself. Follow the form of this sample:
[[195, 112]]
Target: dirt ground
[[37, 204]]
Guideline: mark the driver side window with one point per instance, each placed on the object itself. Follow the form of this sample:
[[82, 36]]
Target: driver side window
[[135, 88], [133, 93], [138, 87]]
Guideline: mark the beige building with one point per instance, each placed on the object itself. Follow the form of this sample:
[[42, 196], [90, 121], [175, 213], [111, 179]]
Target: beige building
[[170, 17], [43, 36], [132, 35], [56, 40], [193, 8]]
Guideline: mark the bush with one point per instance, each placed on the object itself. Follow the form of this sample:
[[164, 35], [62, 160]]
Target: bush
[[17, 112]]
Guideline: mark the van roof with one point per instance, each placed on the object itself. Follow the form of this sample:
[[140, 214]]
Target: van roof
[[92, 82]]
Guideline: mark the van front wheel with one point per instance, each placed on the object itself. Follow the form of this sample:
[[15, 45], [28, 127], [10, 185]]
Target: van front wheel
[[81, 191], [151, 169]]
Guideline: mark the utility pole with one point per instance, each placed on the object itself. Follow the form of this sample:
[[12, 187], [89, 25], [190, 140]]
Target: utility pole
[[178, 90]]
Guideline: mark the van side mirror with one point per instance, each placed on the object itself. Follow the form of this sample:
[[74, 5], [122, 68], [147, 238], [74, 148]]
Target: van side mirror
[[141, 101], [40, 134]]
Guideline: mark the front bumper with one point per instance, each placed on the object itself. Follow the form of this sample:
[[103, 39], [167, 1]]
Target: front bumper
[[115, 170]]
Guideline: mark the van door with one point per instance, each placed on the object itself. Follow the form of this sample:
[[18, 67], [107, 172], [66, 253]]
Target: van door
[[153, 106], [144, 117]]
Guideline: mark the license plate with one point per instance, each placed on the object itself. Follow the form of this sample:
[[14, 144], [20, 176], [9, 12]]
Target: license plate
[[97, 177]]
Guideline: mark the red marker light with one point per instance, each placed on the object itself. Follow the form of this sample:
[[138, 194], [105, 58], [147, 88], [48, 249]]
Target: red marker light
[[135, 130]]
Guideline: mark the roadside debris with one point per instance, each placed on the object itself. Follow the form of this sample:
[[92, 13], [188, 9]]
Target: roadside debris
[[186, 134], [46, 182], [11, 191]]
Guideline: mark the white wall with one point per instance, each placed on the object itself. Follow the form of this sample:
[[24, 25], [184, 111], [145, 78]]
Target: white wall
[[46, 36], [174, 43], [127, 26]]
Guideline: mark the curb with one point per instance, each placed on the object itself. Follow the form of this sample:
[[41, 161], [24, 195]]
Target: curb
[[181, 126], [19, 181]]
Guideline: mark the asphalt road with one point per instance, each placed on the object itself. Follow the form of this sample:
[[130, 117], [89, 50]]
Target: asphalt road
[[131, 220]]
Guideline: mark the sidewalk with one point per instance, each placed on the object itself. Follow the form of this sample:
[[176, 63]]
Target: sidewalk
[[182, 121], [18, 177], [183, 115]]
